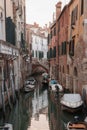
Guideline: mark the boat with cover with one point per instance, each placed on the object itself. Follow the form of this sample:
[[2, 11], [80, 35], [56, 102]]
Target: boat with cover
[[29, 88], [45, 77], [71, 102], [7, 126], [53, 85]]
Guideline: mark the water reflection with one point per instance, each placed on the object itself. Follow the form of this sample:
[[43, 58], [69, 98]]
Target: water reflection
[[54, 112], [38, 110], [20, 115], [30, 112]]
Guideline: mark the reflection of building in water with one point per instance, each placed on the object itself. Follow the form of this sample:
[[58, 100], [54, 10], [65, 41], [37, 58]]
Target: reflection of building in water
[[25, 111], [53, 113], [20, 115], [39, 102], [40, 111]]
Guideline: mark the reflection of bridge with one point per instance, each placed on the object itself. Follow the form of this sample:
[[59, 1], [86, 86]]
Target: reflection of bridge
[[39, 67]]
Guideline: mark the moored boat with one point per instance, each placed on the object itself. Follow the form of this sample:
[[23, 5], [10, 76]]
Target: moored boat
[[7, 126], [55, 86], [76, 126], [71, 102], [29, 88], [45, 78], [31, 80]]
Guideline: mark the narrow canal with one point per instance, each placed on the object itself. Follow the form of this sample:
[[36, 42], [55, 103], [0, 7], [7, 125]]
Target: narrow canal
[[38, 110]]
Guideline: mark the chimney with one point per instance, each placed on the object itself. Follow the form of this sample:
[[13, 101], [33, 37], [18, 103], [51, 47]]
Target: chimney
[[54, 16], [36, 25], [58, 9], [50, 24]]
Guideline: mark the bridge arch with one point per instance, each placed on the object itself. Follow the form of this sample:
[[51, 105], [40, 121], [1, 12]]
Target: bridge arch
[[39, 67]]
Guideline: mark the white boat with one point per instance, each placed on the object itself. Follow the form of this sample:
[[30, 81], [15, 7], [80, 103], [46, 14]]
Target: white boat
[[31, 80], [7, 126], [29, 88], [53, 84], [45, 78], [71, 102], [76, 126]]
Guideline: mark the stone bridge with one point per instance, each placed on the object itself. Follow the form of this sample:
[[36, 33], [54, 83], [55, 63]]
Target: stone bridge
[[40, 66]]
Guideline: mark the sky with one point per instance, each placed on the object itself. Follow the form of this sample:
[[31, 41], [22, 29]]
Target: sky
[[41, 11]]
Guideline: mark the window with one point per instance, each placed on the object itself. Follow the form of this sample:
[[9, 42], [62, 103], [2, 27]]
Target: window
[[76, 12], [67, 69], [32, 53], [71, 48], [54, 52], [40, 54], [82, 6], [74, 15], [36, 53], [55, 31], [48, 38], [48, 54], [51, 53], [63, 48], [75, 72]]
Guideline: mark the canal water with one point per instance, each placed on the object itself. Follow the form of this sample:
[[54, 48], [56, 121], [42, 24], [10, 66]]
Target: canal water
[[38, 110]]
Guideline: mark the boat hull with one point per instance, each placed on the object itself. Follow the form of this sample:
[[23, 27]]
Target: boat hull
[[7, 126], [69, 109], [76, 126], [29, 88]]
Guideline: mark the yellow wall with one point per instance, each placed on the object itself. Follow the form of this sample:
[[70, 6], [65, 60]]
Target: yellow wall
[[78, 31]]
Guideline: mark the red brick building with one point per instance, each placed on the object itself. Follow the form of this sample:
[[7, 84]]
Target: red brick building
[[69, 65], [53, 45], [62, 23]]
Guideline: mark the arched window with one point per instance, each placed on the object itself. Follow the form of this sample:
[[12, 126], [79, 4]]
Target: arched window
[[75, 71], [67, 69]]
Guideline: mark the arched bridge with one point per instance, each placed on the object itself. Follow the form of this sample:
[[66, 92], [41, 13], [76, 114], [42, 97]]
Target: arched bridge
[[40, 66]]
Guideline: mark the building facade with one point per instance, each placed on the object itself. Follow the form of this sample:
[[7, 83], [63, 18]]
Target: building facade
[[71, 34], [63, 22], [53, 44], [38, 42], [12, 48], [77, 45]]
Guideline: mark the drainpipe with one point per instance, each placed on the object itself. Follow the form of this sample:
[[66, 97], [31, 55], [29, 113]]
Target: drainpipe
[[5, 16], [58, 54], [84, 61], [24, 24], [85, 26]]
